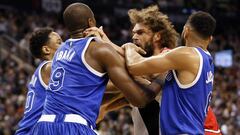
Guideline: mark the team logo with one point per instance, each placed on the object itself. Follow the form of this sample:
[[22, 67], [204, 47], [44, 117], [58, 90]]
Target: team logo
[[209, 77]]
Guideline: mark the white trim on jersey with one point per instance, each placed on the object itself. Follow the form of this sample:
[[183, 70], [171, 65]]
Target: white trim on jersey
[[40, 76], [212, 131], [207, 52], [86, 64], [74, 39], [185, 86]]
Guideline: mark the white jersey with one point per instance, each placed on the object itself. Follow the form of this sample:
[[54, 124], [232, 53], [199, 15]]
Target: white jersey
[[146, 120], [138, 124]]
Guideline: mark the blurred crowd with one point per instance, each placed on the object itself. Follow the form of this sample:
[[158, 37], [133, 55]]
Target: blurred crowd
[[14, 78]]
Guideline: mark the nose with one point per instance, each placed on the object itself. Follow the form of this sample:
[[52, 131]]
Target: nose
[[134, 37]]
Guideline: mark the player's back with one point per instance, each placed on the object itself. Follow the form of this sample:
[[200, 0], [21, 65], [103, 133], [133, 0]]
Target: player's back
[[34, 102], [185, 106], [75, 87]]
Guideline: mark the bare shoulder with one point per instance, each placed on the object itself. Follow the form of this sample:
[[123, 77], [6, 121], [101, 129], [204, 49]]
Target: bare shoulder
[[103, 51], [184, 50], [46, 71], [101, 48], [47, 68], [181, 54], [183, 57]]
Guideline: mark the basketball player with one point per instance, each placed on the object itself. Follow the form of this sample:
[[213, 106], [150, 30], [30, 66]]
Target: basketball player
[[43, 44], [154, 33], [188, 85], [149, 114], [78, 79]]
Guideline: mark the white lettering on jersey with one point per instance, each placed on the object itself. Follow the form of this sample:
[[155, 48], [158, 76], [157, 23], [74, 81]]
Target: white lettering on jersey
[[33, 80], [65, 55], [209, 77]]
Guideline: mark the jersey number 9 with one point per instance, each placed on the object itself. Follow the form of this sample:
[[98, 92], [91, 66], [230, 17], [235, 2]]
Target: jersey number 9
[[57, 79]]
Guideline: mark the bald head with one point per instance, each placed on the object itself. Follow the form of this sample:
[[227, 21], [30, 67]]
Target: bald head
[[78, 16]]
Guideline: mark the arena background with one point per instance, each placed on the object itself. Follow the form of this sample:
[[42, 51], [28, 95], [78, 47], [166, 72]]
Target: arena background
[[18, 18]]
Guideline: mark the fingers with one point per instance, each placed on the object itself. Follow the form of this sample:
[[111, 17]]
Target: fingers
[[92, 33], [133, 46], [128, 45], [91, 30], [101, 31], [101, 28], [94, 29], [141, 51]]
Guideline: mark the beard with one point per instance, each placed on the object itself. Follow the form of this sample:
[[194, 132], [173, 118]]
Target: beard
[[148, 47]]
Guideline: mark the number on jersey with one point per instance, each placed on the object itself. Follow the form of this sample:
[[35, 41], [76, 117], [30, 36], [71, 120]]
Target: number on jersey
[[29, 101], [57, 78], [209, 98]]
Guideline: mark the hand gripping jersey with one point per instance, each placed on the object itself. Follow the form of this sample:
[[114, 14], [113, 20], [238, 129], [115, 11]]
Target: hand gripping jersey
[[34, 102], [184, 107]]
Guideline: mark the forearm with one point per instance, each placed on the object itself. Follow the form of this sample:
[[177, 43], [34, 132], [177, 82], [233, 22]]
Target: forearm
[[152, 90], [134, 62], [131, 57], [118, 49], [111, 88]]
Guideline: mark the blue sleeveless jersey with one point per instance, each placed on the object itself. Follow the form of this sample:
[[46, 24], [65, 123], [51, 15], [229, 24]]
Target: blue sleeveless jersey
[[34, 102], [184, 107], [75, 87]]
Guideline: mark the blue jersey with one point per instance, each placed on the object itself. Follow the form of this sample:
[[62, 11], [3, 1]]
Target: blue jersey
[[184, 107], [34, 102], [75, 87]]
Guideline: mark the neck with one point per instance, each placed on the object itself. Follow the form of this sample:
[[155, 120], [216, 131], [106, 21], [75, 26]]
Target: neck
[[48, 57], [157, 51], [77, 33], [156, 48], [197, 43]]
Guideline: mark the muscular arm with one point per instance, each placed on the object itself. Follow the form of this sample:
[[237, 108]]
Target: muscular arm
[[115, 101], [99, 33], [182, 58], [115, 67], [111, 88]]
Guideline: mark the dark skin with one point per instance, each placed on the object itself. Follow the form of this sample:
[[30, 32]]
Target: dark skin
[[140, 31], [104, 58]]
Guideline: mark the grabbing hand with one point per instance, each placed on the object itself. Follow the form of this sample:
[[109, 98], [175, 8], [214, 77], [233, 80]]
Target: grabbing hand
[[97, 32], [133, 47]]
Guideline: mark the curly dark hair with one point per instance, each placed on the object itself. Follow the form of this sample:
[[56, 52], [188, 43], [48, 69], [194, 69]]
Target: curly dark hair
[[157, 22], [38, 39]]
